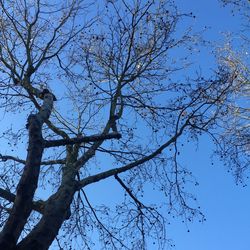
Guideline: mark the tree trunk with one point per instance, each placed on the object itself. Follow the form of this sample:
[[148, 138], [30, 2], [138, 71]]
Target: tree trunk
[[56, 211], [27, 185]]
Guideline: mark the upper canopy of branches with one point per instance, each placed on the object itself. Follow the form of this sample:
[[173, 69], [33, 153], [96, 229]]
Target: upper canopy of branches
[[113, 69]]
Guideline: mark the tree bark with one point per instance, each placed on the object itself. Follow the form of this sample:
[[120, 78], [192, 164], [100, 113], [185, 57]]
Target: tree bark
[[27, 185], [56, 211]]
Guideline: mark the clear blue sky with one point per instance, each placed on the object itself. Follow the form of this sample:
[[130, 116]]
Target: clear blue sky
[[225, 205]]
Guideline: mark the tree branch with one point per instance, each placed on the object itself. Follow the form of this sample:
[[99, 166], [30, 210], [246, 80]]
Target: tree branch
[[138, 203], [16, 159], [115, 171], [10, 157], [85, 139], [37, 205]]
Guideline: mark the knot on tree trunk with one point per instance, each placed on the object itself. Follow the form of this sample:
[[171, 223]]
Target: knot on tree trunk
[[33, 122]]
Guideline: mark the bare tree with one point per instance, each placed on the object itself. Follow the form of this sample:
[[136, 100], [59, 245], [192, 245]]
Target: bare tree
[[234, 55], [99, 87], [236, 122]]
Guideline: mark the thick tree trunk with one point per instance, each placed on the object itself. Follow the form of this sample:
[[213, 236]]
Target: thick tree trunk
[[56, 211], [27, 185]]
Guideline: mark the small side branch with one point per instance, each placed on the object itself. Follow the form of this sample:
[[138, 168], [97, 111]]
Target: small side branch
[[37, 205], [139, 204], [10, 157], [100, 223], [5, 158]]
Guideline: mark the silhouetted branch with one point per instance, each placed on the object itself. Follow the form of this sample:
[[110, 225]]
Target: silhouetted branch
[[83, 139]]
